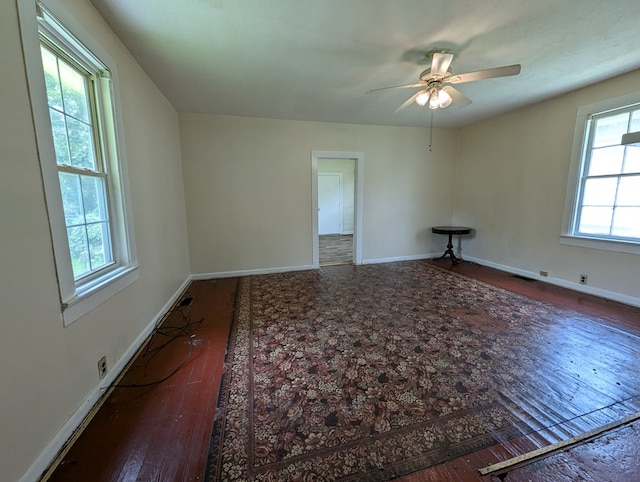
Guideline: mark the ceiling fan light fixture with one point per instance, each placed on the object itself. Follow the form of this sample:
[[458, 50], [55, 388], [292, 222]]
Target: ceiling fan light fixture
[[445, 99], [422, 98], [435, 86], [439, 99], [434, 100]]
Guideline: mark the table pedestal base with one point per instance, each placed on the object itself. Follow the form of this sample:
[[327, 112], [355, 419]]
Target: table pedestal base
[[449, 252], [451, 230]]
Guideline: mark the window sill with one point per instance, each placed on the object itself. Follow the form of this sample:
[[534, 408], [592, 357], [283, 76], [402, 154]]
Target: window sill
[[100, 291], [602, 244]]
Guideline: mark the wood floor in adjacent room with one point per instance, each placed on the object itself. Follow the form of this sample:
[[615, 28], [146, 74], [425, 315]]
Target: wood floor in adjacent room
[[335, 249], [156, 425]]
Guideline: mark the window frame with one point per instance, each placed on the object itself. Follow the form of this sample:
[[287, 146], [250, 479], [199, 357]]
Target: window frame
[[50, 19], [581, 144], [101, 170]]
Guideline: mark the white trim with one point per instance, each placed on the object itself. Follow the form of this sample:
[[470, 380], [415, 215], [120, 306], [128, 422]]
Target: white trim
[[83, 414], [577, 149], [573, 181], [41, 123], [590, 290], [285, 269], [393, 259], [602, 244], [358, 157], [251, 272], [315, 241], [99, 293]]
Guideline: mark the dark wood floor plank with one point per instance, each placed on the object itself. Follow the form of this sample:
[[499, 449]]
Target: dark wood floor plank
[[611, 457], [617, 314], [161, 432]]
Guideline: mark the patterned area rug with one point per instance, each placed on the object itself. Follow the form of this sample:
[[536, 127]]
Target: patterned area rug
[[371, 372]]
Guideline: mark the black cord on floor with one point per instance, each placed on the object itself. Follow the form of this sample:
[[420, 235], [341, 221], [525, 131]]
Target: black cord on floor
[[172, 332]]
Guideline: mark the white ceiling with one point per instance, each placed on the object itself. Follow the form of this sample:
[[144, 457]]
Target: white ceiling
[[315, 59]]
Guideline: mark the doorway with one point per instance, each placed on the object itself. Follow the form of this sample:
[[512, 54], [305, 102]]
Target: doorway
[[336, 181], [336, 207]]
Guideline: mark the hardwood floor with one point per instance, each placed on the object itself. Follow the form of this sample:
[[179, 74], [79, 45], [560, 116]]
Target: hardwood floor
[[160, 431], [609, 457], [335, 249]]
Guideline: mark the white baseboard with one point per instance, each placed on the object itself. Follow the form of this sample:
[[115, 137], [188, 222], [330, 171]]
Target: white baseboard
[[610, 295], [412, 257], [249, 272], [590, 290], [84, 412]]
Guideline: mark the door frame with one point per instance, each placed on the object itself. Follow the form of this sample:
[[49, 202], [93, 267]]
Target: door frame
[[358, 157]]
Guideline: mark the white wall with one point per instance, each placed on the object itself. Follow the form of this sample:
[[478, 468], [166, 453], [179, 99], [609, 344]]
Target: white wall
[[249, 189], [47, 370], [511, 185]]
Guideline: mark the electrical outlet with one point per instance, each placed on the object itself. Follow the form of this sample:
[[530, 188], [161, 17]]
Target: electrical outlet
[[583, 279], [544, 273], [102, 367]]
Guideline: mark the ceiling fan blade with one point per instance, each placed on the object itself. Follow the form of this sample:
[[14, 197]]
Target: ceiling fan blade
[[403, 86], [485, 74], [408, 102], [459, 99], [440, 63]]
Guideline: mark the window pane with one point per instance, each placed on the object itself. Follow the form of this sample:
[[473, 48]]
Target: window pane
[[626, 222], [81, 144], [609, 130], [50, 65], [74, 92], [84, 196], [635, 121], [629, 192], [632, 159], [595, 220], [59, 130], [606, 160], [99, 245], [71, 199], [84, 202], [79, 250], [93, 196], [600, 192]]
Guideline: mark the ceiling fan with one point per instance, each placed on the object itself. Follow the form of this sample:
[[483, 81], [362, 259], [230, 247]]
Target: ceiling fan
[[436, 91]]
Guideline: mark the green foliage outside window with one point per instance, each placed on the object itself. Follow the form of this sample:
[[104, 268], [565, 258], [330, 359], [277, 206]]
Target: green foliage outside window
[[82, 181]]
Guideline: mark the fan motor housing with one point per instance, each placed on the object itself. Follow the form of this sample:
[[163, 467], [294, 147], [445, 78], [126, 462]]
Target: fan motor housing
[[426, 76]]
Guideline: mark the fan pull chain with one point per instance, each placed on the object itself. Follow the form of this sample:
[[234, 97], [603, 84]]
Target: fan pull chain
[[431, 131]]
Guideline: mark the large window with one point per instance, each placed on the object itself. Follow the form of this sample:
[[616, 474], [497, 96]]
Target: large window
[[74, 106], [609, 196], [71, 96], [605, 192]]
